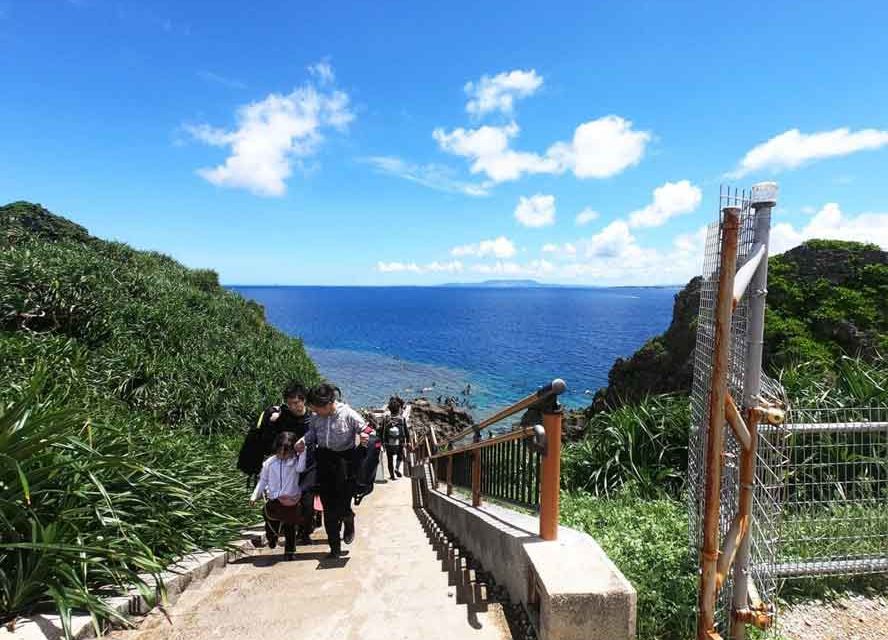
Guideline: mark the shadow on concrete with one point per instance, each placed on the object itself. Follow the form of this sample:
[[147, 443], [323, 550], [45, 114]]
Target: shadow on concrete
[[267, 560], [474, 595], [331, 563], [483, 509]]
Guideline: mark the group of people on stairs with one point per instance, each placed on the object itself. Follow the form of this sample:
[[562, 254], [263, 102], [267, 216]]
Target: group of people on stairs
[[304, 457]]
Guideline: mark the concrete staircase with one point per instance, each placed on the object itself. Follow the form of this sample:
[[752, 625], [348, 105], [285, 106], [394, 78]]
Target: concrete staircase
[[394, 585]]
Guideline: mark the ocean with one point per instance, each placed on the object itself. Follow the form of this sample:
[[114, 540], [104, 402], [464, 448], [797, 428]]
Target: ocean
[[504, 343]]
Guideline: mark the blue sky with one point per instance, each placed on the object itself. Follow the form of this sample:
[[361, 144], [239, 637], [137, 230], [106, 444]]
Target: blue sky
[[419, 143]]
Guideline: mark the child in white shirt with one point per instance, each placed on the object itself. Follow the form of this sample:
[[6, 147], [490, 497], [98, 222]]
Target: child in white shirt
[[279, 481]]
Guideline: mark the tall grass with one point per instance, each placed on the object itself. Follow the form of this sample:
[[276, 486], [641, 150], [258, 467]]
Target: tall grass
[[643, 444], [126, 380], [848, 382]]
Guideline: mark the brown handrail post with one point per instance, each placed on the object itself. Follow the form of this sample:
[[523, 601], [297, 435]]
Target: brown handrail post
[[449, 475], [717, 420], [476, 478], [550, 478]]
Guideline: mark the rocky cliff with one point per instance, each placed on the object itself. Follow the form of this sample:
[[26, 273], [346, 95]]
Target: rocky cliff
[[825, 298]]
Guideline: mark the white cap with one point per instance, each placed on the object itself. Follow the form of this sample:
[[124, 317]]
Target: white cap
[[764, 193]]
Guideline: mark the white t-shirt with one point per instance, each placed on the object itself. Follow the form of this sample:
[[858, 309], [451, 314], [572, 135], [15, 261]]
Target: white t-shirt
[[280, 477]]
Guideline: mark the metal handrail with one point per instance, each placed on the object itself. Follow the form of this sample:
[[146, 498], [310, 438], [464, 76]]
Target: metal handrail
[[517, 434], [549, 446], [554, 388]]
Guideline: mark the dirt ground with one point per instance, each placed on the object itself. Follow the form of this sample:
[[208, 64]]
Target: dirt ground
[[849, 618]]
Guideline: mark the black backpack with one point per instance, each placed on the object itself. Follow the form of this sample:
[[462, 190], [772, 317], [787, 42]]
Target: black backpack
[[365, 462], [252, 451]]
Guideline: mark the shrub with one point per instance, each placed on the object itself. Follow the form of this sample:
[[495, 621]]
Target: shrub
[[126, 380]]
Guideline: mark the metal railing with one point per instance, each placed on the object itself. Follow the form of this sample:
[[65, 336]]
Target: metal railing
[[521, 467], [833, 472]]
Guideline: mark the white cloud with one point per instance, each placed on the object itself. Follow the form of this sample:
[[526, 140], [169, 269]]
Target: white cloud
[[566, 250], [586, 216], [536, 211], [793, 148], [271, 134], [600, 149], [454, 266], [500, 92], [488, 149], [500, 247], [831, 224], [323, 71], [691, 242], [397, 267], [434, 176], [612, 241], [669, 200]]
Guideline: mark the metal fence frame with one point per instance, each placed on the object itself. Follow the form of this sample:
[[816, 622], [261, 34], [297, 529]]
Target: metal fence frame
[[819, 482]]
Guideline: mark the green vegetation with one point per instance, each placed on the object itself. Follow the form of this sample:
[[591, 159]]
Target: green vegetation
[[647, 539], [825, 299], [645, 445], [624, 485], [125, 382]]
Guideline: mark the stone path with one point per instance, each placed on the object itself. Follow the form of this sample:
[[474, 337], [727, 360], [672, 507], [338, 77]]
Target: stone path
[[390, 587]]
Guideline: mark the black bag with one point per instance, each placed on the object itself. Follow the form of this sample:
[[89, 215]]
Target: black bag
[[252, 451], [365, 462]]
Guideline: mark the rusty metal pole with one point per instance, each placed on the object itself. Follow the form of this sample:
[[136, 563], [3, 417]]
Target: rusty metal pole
[[449, 475], [717, 420], [764, 198], [550, 477]]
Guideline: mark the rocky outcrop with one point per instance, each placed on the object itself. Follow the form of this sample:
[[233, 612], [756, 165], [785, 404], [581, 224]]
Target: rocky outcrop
[[446, 420]]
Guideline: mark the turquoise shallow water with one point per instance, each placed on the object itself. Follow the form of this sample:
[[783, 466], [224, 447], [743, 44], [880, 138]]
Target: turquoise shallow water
[[375, 341]]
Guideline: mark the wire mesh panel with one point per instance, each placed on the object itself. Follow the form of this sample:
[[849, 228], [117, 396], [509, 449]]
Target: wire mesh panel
[[703, 360], [834, 518]]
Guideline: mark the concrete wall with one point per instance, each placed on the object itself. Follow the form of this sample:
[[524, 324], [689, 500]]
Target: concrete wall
[[570, 583]]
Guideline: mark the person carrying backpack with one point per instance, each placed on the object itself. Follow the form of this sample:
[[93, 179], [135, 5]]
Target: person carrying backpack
[[394, 437]]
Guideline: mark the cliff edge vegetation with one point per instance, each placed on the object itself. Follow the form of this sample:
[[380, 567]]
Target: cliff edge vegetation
[[126, 380], [826, 299]]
